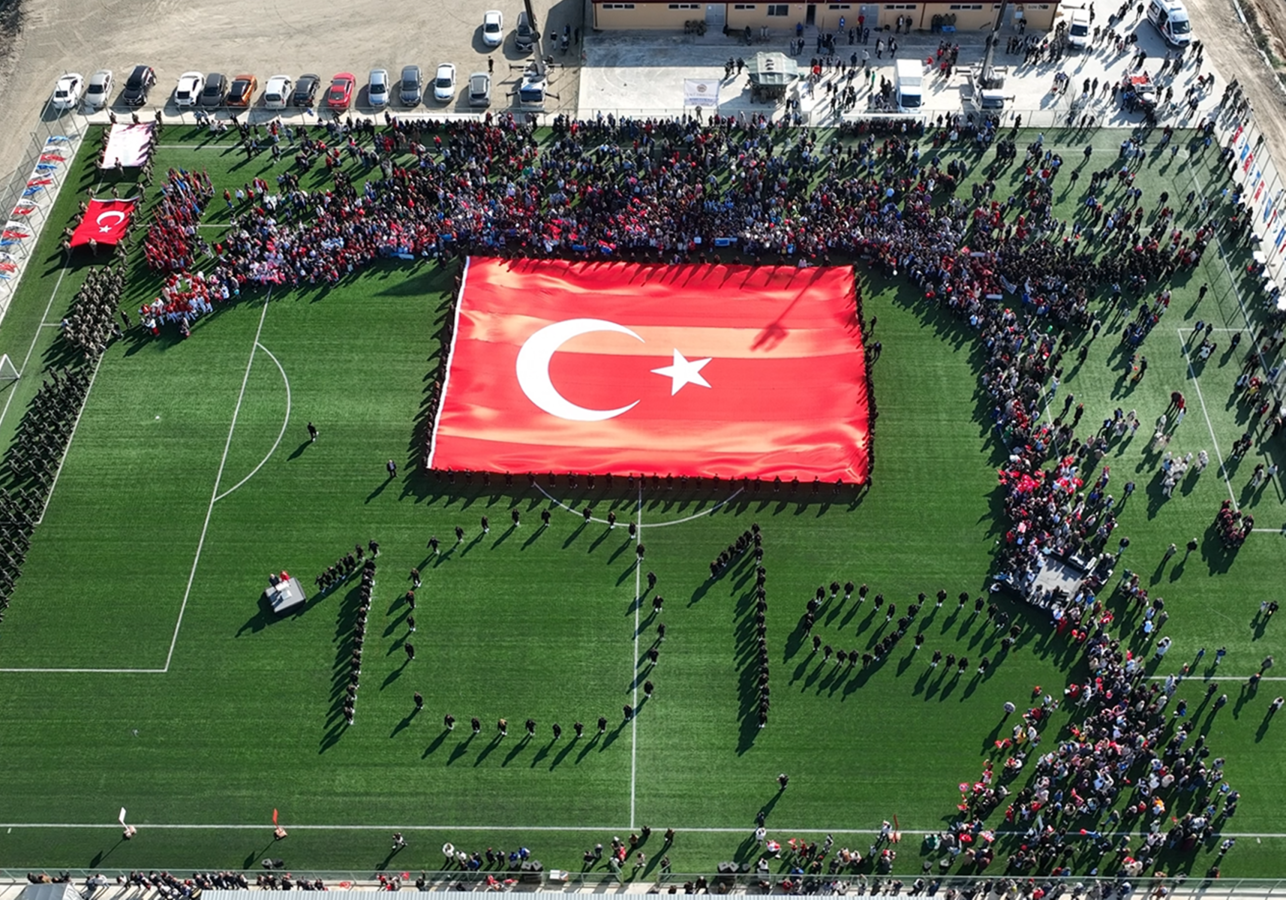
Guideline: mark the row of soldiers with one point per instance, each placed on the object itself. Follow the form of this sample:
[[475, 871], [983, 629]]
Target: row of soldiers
[[573, 481], [92, 320], [359, 636], [39, 443], [46, 428], [344, 566], [18, 511], [752, 541], [744, 542]]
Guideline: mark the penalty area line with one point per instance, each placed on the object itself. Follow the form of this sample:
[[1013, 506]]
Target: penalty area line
[[641, 526], [284, 425], [214, 494]]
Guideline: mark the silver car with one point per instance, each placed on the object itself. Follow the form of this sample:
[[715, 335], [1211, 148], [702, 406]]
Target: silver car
[[479, 89], [99, 89]]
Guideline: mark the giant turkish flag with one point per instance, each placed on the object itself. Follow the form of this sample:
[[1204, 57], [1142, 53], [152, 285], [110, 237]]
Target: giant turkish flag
[[735, 371], [106, 222]]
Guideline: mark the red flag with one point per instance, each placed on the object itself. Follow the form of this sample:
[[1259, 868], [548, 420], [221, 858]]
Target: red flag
[[105, 222], [39, 181], [21, 210], [274, 817], [735, 371], [15, 235]]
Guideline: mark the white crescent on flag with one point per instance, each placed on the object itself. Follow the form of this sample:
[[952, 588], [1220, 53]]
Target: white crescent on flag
[[106, 229], [533, 369]]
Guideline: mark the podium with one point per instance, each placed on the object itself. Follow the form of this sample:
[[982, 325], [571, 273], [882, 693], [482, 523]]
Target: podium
[[285, 596]]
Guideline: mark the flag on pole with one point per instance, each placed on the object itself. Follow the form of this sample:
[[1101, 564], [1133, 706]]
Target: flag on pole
[[121, 818], [274, 817]]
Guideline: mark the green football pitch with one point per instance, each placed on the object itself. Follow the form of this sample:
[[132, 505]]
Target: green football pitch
[[139, 670]]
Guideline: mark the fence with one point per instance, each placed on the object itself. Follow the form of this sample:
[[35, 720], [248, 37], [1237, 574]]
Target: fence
[[1011, 887], [28, 196]]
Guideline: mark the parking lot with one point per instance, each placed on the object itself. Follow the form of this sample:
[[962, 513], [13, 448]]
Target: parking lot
[[263, 37]]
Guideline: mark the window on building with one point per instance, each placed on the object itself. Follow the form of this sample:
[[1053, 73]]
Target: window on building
[[841, 6], [743, 6], [683, 6], [778, 9]]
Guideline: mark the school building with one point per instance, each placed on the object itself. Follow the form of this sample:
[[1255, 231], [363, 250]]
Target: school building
[[781, 18]]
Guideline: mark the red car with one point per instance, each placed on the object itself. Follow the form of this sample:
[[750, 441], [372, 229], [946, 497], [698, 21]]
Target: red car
[[340, 94]]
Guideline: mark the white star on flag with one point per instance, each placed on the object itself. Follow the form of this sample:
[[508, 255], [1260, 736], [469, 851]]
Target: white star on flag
[[684, 371]]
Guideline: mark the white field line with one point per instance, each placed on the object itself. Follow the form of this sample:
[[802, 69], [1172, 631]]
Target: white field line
[[54, 671], [634, 668], [62, 460], [214, 494], [1192, 374], [280, 435], [34, 339], [704, 512]]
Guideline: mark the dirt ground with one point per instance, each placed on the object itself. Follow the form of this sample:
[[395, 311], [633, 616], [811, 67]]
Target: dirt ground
[[1231, 48]]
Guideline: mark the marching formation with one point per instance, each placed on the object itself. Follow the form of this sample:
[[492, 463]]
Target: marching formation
[[91, 323]]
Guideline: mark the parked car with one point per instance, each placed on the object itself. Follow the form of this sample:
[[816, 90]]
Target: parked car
[[99, 89], [444, 83], [242, 91], [188, 90], [493, 28], [412, 86], [140, 81], [305, 90], [525, 35], [340, 93], [67, 91], [215, 91], [276, 94], [377, 92], [479, 89]]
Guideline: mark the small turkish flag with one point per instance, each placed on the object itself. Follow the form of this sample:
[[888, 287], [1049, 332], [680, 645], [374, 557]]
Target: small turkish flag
[[105, 222], [735, 371]]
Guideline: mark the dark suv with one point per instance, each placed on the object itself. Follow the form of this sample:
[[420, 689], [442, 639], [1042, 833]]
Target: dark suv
[[140, 81], [305, 90]]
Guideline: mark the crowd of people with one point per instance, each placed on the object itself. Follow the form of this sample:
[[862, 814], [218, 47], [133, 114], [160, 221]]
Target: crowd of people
[[91, 322], [173, 238]]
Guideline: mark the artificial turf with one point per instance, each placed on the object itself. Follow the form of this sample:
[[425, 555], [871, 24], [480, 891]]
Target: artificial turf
[[244, 717]]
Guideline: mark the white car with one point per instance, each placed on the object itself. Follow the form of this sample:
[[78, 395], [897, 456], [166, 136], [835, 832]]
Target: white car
[[276, 95], [188, 91], [67, 91], [377, 92], [444, 83], [493, 28], [99, 90]]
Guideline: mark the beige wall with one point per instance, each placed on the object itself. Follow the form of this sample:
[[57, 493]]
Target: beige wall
[[969, 16]]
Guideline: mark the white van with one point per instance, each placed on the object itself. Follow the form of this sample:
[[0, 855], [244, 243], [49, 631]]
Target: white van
[[277, 94], [910, 83], [1078, 29], [1171, 19]]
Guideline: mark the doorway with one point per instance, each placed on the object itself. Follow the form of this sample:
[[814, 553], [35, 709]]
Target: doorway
[[811, 17]]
